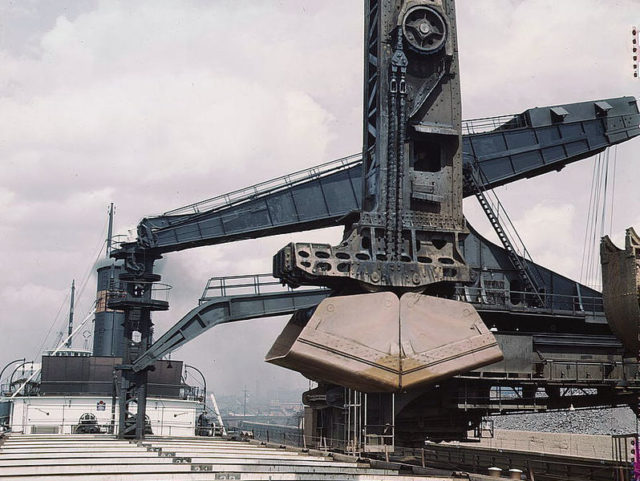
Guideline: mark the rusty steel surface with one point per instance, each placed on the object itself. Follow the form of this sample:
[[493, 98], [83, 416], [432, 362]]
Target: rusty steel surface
[[621, 288], [405, 239], [408, 231], [379, 342]]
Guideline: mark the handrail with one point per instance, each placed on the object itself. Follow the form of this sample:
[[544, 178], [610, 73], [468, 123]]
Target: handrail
[[511, 238], [245, 284], [556, 370], [490, 296], [470, 127], [271, 185], [488, 124], [508, 226], [159, 291]]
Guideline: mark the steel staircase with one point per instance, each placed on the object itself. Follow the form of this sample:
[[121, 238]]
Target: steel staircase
[[531, 280]]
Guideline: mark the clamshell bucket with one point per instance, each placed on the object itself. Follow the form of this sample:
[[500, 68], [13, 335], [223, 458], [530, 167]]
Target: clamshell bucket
[[621, 289], [378, 342]]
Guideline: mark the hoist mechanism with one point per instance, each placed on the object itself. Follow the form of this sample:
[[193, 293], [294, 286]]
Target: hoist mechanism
[[406, 235], [393, 317], [424, 29], [403, 247]]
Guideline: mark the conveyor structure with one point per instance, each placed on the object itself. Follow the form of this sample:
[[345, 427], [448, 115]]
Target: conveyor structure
[[522, 146], [521, 328]]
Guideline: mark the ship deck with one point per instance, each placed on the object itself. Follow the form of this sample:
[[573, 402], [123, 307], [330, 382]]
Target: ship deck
[[103, 457]]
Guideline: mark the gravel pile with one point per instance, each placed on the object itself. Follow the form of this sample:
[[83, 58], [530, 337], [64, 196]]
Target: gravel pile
[[596, 421]]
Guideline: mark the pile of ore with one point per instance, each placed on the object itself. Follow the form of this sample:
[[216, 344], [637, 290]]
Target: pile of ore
[[590, 421]]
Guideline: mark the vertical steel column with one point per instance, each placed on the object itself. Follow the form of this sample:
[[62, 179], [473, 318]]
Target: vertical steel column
[[71, 307], [137, 303], [371, 166], [126, 383]]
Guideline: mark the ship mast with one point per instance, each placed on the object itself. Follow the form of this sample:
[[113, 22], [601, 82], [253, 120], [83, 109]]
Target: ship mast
[[110, 230], [70, 329]]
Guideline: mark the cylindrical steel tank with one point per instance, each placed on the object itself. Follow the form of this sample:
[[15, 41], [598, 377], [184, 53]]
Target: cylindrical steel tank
[[108, 331]]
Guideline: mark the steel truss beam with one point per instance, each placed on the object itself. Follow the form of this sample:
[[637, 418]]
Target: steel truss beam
[[222, 310], [504, 148]]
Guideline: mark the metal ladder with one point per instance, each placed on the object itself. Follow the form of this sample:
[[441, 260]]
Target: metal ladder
[[353, 422], [531, 280]]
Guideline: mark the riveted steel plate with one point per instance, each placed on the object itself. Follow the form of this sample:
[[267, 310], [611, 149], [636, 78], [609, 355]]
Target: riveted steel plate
[[379, 342], [621, 288]]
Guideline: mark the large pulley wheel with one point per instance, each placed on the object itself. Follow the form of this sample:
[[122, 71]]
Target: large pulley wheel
[[424, 29]]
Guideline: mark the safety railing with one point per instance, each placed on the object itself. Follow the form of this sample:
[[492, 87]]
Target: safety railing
[[32, 388], [624, 450], [379, 438], [513, 300], [273, 433], [507, 232], [173, 427], [488, 124], [209, 430], [118, 240], [552, 453], [244, 285], [96, 415], [503, 218], [294, 436], [375, 439], [159, 292], [193, 393], [567, 444], [279, 183], [472, 126]]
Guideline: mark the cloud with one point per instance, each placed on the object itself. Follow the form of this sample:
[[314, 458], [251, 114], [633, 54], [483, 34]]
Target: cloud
[[515, 55], [153, 105], [548, 232], [157, 104], [542, 52]]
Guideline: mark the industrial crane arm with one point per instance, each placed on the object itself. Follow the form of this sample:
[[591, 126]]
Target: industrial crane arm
[[505, 149], [221, 310], [226, 299]]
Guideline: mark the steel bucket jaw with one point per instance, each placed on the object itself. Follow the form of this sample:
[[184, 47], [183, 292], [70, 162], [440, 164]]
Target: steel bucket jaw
[[381, 343]]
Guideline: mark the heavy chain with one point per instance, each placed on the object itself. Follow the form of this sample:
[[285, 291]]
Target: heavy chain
[[395, 152]]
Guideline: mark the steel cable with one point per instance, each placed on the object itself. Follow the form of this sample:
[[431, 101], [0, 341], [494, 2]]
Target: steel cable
[[80, 292]]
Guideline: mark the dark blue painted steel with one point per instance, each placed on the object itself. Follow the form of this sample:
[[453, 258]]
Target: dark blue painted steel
[[228, 309], [319, 202], [525, 145], [542, 143], [494, 290], [496, 286], [108, 330]]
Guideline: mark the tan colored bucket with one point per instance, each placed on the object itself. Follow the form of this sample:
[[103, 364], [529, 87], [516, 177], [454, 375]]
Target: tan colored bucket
[[621, 288], [379, 342]]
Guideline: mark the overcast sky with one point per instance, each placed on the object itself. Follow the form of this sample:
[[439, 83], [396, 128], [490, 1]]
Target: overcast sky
[[157, 104]]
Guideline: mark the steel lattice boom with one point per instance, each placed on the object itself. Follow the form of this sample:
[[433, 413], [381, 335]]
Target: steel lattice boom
[[449, 315]]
